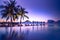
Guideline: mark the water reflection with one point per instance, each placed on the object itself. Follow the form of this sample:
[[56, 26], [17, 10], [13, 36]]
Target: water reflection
[[44, 32]]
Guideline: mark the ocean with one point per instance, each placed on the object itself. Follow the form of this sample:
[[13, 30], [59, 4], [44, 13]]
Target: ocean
[[45, 32]]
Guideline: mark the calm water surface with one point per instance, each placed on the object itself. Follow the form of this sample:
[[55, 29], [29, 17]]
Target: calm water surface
[[30, 33]]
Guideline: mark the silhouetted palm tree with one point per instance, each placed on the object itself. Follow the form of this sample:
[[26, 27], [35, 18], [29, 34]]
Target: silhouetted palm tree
[[22, 13], [9, 10]]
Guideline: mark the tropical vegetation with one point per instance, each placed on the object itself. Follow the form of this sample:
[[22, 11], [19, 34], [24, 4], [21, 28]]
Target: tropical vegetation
[[12, 11]]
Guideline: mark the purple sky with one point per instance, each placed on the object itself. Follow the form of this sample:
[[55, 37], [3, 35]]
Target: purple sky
[[41, 10]]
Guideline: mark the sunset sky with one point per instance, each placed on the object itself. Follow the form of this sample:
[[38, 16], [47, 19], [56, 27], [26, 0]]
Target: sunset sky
[[40, 10]]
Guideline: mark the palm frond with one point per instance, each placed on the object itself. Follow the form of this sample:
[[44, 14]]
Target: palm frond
[[25, 12], [22, 9], [7, 18], [2, 11], [15, 17], [16, 9], [18, 6], [6, 2], [3, 16], [12, 1], [2, 6], [26, 16]]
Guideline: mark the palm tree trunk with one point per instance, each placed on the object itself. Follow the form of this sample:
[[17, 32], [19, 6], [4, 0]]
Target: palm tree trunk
[[11, 26], [11, 21], [20, 21], [20, 24]]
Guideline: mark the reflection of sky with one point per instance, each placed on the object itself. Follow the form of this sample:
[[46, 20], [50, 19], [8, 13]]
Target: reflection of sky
[[41, 10]]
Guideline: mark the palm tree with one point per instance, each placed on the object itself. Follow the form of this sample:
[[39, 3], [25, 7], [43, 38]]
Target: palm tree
[[22, 13], [9, 10]]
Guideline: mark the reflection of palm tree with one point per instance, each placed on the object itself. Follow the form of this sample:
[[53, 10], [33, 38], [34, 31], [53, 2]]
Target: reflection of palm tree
[[33, 23], [37, 23]]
